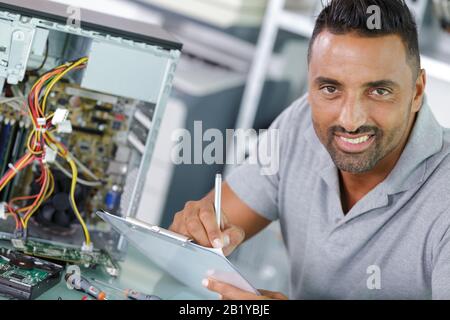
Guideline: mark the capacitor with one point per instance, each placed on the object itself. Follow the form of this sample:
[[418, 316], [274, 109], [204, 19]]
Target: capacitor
[[112, 199]]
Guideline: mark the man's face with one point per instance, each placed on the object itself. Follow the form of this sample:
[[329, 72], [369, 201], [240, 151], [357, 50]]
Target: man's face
[[361, 91]]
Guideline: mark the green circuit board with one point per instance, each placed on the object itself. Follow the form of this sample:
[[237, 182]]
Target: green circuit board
[[12, 273], [26, 277], [70, 255]]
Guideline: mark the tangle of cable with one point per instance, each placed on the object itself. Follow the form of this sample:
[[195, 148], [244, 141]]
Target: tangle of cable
[[41, 139]]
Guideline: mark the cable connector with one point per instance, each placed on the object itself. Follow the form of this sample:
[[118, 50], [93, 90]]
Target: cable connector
[[3, 210], [41, 122], [60, 116], [87, 247], [49, 155], [64, 127], [11, 166], [18, 241]]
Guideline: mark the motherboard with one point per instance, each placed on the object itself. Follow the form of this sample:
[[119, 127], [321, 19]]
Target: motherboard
[[104, 136]]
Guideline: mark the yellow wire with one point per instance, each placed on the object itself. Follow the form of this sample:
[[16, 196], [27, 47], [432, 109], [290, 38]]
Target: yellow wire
[[13, 214], [50, 116], [50, 144], [32, 133], [19, 166], [36, 207], [57, 78], [38, 81], [24, 209], [50, 183], [72, 198], [21, 219], [72, 190]]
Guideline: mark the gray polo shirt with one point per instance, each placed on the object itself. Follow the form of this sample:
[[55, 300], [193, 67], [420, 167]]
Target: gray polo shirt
[[393, 244]]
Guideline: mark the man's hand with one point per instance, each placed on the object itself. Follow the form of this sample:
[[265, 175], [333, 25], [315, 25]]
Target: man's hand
[[229, 292], [198, 221]]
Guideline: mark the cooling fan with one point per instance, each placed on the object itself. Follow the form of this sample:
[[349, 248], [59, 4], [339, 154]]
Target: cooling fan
[[56, 213]]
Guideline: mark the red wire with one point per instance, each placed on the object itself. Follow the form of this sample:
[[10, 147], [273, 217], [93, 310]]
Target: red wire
[[41, 177], [41, 193], [13, 172], [14, 214], [20, 198], [36, 112]]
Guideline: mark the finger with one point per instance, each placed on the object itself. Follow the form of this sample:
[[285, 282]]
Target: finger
[[273, 294], [233, 236], [224, 221], [192, 225], [208, 218], [197, 231], [178, 225], [176, 222], [227, 291]]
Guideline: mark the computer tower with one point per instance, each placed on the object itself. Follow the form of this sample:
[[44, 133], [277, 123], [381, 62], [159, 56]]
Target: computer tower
[[82, 95]]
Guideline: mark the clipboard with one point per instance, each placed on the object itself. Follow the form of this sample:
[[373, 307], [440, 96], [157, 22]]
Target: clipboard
[[183, 259]]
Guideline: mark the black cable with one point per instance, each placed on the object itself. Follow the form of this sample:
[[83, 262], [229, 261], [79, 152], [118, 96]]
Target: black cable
[[44, 61]]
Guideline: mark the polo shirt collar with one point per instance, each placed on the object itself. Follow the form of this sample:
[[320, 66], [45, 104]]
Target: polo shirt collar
[[426, 139]]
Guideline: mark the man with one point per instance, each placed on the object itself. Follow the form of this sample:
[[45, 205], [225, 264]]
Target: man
[[362, 193]]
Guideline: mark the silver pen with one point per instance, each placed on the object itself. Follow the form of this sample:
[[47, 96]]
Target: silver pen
[[218, 199]]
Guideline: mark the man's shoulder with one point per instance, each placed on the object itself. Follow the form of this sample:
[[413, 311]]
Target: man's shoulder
[[438, 170], [436, 190], [442, 158]]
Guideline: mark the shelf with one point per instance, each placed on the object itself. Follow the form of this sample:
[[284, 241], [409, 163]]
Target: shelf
[[213, 13], [121, 8], [297, 23]]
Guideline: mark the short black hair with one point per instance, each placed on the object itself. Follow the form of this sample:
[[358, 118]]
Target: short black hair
[[347, 16]]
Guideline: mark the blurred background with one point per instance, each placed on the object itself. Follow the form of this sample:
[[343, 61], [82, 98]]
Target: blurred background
[[243, 62]]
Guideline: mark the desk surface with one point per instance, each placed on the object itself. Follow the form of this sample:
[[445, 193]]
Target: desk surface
[[137, 272]]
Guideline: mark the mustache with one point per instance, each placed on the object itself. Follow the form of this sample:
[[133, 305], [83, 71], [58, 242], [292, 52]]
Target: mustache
[[372, 130]]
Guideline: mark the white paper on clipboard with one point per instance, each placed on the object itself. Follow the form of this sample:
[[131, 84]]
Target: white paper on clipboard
[[186, 261]]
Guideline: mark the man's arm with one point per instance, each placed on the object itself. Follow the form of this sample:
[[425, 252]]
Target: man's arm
[[239, 214], [198, 221]]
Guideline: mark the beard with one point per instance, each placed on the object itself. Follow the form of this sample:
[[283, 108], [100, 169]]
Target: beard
[[383, 144]]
